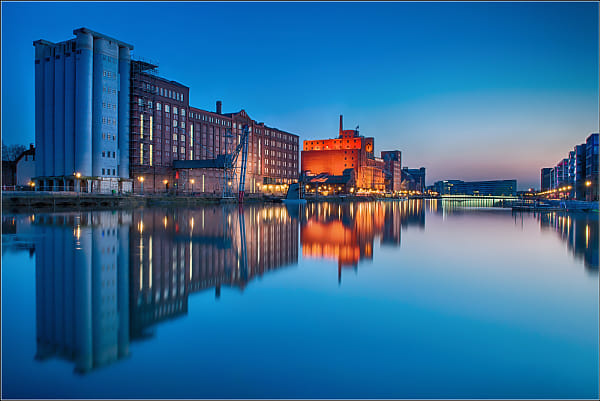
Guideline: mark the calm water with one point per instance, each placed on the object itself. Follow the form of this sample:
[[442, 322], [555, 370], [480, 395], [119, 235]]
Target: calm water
[[413, 299]]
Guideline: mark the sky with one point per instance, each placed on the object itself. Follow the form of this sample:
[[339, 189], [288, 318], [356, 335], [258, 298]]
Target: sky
[[468, 90]]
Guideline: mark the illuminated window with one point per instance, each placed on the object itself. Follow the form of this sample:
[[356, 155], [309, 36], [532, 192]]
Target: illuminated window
[[158, 106], [151, 130], [174, 110], [141, 153], [167, 108], [151, 153], [141, 126]]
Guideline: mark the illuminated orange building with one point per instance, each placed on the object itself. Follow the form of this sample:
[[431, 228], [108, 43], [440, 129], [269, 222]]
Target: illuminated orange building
[[349, 150]]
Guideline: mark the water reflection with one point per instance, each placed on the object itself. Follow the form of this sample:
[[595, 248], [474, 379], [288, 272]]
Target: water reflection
[[104, 279], [82, 288], [345, 232], [578, 230]]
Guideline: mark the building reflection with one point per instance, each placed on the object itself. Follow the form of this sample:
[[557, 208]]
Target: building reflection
[[346, 232], [578, 230], [104, 279], [82, 294], [18, 234], [181, 251]]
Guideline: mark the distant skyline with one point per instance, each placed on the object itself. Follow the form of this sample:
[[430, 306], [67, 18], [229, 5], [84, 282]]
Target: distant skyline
[[471, 91]]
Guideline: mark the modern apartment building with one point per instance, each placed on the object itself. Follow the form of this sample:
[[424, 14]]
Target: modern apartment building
[[577, 175], [478, 188]]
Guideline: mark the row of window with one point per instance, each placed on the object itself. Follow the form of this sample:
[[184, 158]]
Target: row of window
[[109, 59], [109, 121], [164, 92], [107, 154], [109, 106], [107, 172], [110, 91], [280, 163], [108, 137], [108, 74]]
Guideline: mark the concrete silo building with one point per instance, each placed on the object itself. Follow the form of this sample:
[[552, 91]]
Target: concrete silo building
[[82, 114]]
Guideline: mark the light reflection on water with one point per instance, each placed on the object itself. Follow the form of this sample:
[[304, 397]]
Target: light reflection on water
[[105, 283]]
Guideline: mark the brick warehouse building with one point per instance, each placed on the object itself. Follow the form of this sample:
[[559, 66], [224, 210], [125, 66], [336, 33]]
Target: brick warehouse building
[[107, 123], [351, 151], [165, 128]]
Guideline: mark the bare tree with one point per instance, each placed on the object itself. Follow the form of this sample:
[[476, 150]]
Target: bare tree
[[11, 152]]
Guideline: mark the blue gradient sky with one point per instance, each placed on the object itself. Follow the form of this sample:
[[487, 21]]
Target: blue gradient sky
[[468, 90]]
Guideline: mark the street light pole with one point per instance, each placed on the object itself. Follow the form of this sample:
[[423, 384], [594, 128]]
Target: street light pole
[[141, 180]]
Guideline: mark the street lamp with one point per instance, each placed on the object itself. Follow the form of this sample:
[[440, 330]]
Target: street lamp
[[192, 181], [588, 183], [78, 176], [141, 180], [166, 182]]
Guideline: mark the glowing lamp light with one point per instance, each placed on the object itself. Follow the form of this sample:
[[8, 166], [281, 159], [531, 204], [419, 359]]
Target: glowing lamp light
[[141, 179], [192, 181], [588, 183], [78, 175], [165, 182]]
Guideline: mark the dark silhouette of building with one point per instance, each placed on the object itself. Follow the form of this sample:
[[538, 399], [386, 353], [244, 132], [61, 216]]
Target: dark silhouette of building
[[413, 179], [477, 188], [545, 179]]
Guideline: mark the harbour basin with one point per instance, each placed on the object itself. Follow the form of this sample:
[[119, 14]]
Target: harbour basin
[[388, 299]]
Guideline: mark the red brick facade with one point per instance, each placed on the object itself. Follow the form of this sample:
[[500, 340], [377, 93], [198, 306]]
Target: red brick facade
[[349, 150], [164, 128]]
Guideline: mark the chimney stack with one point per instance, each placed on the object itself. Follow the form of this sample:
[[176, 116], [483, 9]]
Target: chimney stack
[[341, 124], [219, 106]]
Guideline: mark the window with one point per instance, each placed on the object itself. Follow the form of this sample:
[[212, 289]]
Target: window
[[161, 91], [174, 149], [174, 123], [174, 137], [140, 102], [182, 149], [182, 97], [150, 104], [113, 174], [183, 112], [114, 155], [102, 171], [174, 110], [167, 108], [183, 124]]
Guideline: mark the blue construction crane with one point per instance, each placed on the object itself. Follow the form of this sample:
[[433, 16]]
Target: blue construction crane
[[227, 162]]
